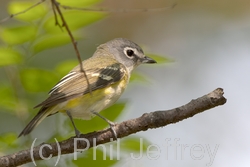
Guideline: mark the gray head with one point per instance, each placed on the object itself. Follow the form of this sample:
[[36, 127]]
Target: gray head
[[125, 52]]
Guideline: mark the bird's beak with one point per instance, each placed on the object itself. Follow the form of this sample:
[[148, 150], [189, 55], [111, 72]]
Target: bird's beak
[[148, 60]]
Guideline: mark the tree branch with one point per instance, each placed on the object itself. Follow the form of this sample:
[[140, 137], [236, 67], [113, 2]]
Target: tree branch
[[119, 10], [146, 121]]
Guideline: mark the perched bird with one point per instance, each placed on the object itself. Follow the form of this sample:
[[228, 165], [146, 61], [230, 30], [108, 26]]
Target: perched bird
[[108, 72]]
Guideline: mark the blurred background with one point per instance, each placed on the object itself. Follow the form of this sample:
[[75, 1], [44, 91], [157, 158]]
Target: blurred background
[[209, 45]]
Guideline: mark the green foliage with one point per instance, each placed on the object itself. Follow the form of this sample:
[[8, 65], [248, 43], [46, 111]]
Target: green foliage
[[74, 20], [32, 79], [64, 67], [8, 141], [18, 35], [101, 159], [47, 35], [33, 14], [135, 144], [9, 56], [7, 99], [35, 33], [97, 123], [138, 77], [160, 59], [49, 41]]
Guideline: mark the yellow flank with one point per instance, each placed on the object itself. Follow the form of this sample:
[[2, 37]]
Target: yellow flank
[[87, 98], [97, 101], [74, 102]]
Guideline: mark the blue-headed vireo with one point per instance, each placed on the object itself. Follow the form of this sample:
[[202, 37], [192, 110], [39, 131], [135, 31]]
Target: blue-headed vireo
[[108, 72]]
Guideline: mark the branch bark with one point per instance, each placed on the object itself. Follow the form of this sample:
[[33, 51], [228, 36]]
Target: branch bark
[[146, 121]]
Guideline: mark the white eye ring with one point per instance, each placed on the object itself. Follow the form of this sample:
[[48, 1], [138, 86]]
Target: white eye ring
[[130, 52]]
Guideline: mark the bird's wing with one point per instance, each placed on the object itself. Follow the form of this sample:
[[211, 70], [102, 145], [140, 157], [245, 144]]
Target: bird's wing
[[75, 84]]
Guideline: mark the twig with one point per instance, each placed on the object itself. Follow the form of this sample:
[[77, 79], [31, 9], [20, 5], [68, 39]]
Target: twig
[[64, 24], [120, 10], [55, 6], [56, 19], [146, 121], [24, 11]]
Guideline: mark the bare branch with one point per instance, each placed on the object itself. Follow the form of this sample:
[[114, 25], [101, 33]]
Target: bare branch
[[120, 10], [24, 11], [55, 7], [56, 19], [146, 121]]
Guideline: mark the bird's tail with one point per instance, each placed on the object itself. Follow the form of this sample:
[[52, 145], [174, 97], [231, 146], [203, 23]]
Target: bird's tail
[[43, 113]]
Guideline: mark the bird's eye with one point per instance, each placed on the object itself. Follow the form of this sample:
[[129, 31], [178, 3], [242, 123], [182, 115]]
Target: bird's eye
[[130, 52]]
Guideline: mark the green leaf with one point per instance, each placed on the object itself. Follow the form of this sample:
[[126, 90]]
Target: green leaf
[[7, 97], [95, 157], [7, 141], [51, 41], [65, 67], [18, 35], [114, 111], [9, 56], [134, 144], [138, 77], [78, 3], [75, 20], [97, 123], [160, 59], [38, 80], [30, 15]]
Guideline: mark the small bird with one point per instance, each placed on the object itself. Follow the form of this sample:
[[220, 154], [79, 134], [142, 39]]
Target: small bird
[[108, 72]]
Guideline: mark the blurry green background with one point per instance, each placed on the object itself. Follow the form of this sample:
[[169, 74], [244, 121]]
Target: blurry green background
[[209, 43]]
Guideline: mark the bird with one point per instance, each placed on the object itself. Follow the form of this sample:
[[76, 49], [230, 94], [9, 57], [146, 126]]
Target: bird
[[107, 75]]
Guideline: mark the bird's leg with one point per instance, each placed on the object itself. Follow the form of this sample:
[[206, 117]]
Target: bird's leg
[[111, 124], [78, 133]]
